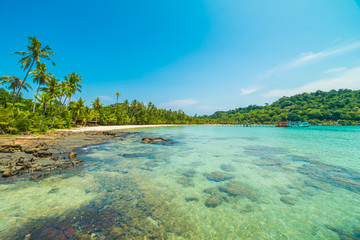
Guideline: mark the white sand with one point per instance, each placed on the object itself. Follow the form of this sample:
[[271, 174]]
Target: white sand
[[109, 128]]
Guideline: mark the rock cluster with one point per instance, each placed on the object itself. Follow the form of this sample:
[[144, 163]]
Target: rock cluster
[[155, 140], [46, 152], [218, 176], [15, 159]]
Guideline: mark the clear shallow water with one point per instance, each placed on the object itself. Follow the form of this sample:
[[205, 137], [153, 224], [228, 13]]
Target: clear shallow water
[[287, 183]]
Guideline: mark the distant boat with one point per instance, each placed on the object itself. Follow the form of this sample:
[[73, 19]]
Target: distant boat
[[292, 124]]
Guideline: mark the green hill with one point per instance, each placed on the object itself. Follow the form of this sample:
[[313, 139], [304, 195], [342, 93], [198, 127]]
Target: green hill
[[333, 107]]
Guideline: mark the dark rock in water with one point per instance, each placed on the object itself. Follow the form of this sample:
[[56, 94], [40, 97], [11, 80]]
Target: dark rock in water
[[250, 138], [151, 164], [196, 163], [282, 191], [185, 181], [36, 176], [295, 158], [189, 173], [247, 209], [155, 140], [218, 176], [288, 200], [138, 155], [259, 150], [213, 201], [334, 175], [227, 167], [344, 235], [212, 190], [191, 199], [267, 162], [234, 188], [54, 190]]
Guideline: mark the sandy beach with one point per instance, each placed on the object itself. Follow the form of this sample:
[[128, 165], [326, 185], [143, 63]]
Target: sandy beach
[[111, 128]]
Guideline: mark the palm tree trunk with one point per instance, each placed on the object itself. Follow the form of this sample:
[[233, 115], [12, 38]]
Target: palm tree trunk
[[117, 99], [42, 118], [57, 108], [37, 92], [62, 107], [68, 102], [18, 92]]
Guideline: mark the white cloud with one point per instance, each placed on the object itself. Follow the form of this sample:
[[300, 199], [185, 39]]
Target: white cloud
[[333, 70], [348, 79], [308, 57], [106, 98], [246, 91], [179, 103]]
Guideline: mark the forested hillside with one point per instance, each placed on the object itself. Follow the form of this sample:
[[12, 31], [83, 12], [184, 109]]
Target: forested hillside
[[333, 107]]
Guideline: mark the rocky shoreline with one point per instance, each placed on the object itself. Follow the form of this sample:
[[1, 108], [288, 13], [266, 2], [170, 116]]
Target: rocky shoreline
[[36, 156]]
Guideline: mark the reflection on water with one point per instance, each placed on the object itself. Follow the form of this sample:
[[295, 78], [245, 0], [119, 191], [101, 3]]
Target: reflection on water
[[214, 183]]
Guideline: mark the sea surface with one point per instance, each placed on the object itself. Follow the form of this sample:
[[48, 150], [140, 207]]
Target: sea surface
[[210, 182]]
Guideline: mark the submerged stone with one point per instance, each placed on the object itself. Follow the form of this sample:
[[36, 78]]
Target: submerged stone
[[185, 181], [288, 200], [227, 167], [218, 176], [343, 234], [155, 140], [212, 190], [151, 164], [267, 162], [235, 189], [213, 201], [189, 173], [282, 191], [334, 175], [191, 199], [137, 155], [247, 209]]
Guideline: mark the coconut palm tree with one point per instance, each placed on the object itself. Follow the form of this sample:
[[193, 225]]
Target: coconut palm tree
[[44, 99], [14, 83], [40, 76], [117, 100], [33, 54], [78, 109], [62, 87], [51, 86], [73, 80], [88, 115], [96, 104]]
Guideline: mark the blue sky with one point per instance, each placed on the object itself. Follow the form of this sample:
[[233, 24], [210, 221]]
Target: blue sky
[[199, 56]]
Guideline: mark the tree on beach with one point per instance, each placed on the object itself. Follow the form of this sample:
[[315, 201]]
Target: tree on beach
[[59, 93], [73, 80], [34, 54], [40, 76], [78, 109], [44, 99], [96, 104], [117, 100], [14, 83]]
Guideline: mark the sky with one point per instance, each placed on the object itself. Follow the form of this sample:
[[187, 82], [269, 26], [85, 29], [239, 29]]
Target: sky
[[199, 56]]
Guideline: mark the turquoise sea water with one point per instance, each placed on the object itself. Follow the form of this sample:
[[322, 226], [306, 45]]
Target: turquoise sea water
[[214, 182]]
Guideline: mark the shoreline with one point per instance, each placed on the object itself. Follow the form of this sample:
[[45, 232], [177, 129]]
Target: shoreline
[[38, 156], [116, 127]]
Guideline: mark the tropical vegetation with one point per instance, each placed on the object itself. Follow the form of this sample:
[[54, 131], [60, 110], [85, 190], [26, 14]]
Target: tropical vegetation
[[53, 107]]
